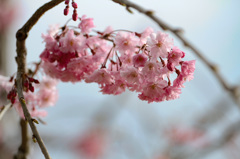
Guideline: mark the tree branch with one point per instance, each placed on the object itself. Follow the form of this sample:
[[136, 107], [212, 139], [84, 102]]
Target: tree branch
[[21, 36], [23, 149], [232, 90]]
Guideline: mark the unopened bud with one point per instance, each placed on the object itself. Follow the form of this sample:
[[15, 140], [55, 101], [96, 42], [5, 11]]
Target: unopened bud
[[66, 1], [34, 139], [66, 10], [31, 88], [74, 5], [35, 121], [26, 84], [75, 16], [13, 100], [31, 79], [36, 81]]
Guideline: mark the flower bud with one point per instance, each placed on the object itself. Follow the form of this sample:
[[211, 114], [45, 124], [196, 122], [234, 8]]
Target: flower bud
[[74, 5], [75, 15], [66, 1], [66, 10]]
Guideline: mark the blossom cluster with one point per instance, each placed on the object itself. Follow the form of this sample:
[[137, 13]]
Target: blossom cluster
[[147, 62], [45, 94]]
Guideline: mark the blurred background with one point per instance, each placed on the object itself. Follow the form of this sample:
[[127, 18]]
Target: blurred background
[[203, 123]]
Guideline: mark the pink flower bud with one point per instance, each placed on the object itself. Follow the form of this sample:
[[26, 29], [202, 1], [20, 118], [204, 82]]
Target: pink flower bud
[[31, 79], [74, 5], [13, 100], [36, 81], [74, 16], [66, 1], [183, 54], [31, 88], [66, 10], [26, 83]]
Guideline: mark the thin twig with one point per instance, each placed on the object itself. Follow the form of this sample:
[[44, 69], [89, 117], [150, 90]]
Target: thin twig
[[23, 149], [4, 109], [177, 32], [21, 36]]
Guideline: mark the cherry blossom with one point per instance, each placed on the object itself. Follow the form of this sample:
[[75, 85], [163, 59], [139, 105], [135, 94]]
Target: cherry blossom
[[126, 42], [160, 44], [86, 24], [92, 144], [45, 94], [188, 136], [7, 15], [118, 60], [139, 60]]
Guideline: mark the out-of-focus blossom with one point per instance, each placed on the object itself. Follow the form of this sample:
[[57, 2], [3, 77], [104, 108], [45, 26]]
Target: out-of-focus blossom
[[7, 15], [188, 136], [41, 95], [86, 24], [92, 144]]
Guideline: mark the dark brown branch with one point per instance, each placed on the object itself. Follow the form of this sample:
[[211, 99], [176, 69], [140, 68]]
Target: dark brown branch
[[177, 32], [23, 150], [21, 36]]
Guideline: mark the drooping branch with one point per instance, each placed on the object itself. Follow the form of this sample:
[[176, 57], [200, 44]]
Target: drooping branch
[[232, 90], [21, 36]]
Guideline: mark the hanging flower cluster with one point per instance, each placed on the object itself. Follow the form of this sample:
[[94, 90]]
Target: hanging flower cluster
[[147, 62], [45, 94]]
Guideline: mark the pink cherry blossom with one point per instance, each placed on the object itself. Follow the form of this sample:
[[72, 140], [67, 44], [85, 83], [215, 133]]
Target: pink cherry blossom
[[126, 42], [188, 136], [188, 68], [101, 76], [99, 48], [172, 92], [151, 69], [115, 88], [7, 15], [86, 24], [139, 60], [154, 91], [81, 66], [45, 95], [69, 43], [145, 35], [130, 74], [92, 144], [51, 43], [174, 58], [118, 60], [5, 83], [108, 30], [160, 44]]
